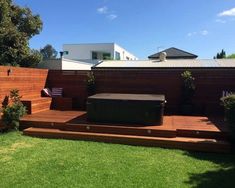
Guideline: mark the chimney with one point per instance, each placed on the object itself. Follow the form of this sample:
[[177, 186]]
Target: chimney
[[162, 56], [61, 54]]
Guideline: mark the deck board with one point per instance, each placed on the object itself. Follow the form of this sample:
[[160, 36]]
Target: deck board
[[173, 122]]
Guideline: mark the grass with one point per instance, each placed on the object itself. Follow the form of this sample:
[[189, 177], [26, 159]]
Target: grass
[[33, 162]]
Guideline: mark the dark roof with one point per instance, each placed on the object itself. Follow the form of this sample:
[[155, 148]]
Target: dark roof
[[174, 53]]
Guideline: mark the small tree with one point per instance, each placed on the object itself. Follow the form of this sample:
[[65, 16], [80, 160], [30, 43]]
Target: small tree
[[220, 55], [48, 52], [90, 83], [13, 111], [228, 103], [188, 87]]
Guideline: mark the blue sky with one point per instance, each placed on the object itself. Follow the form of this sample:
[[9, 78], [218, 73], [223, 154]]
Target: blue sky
[[143, 27]]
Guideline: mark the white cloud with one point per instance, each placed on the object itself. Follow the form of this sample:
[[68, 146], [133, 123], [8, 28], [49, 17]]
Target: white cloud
[[102, 10], [112, 16], [204, 32], [230, 12], [220, 21], [191, 34], [109, 13]]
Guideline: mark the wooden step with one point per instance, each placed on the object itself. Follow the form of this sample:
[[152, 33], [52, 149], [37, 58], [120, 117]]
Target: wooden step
[[138, 131], [24, 124], [123, 130], [195, 144], [202, 134]]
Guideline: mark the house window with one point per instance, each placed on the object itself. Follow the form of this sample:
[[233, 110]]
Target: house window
[[106, 56], [127, 58], [117, 56], [94, 55], [65, 52]]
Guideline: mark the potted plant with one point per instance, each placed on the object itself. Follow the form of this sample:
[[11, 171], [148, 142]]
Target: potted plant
[[13, 110], [188, 90], [228, 103], [90, 83]]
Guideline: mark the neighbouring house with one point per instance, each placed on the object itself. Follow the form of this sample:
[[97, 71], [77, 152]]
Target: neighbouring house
[[84, 56], [173, 53], [169, 64], [96, 51], [67, 64]]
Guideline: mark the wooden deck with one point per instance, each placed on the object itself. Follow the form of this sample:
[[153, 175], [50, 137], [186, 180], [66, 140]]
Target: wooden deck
[[183, 132]]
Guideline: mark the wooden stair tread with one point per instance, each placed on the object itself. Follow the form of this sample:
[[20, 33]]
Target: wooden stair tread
[[118, 126], [182, 139], [198, 144], [114, 129]]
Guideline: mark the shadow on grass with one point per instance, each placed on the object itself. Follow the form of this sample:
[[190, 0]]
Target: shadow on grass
[[223, 177]]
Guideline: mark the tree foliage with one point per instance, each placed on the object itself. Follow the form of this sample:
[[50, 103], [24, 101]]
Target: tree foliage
[[188, 87], [18, 25], [48, 52], [220, 55], [231, 56], [14, 110]]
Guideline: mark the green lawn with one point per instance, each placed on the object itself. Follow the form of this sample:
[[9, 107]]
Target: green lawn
[[33, 162]]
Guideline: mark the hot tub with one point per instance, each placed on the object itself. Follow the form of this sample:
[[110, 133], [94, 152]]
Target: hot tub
[[146, 109]]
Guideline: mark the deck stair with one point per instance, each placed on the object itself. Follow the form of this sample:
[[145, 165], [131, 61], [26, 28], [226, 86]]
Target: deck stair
[[195, 144], [202, 137]]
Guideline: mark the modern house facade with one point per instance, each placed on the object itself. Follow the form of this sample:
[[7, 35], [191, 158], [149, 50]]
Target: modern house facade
[[96, 51], [84, 56], [67, 64]]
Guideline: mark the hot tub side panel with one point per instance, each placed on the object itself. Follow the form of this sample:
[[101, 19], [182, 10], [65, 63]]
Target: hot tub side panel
[[125, 111]]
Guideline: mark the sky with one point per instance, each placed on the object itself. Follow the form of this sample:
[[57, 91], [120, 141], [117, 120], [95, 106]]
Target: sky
[[143, 27]]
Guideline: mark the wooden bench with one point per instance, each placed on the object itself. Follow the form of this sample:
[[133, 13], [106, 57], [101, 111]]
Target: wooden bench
[[35, 103], [62, 103]]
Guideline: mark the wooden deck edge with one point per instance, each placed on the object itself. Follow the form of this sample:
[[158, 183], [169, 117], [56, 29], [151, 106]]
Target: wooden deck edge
[[193, 144], [202, 134], [123, 130]]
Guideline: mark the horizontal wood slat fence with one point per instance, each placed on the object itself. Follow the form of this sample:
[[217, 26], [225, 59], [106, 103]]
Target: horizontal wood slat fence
[[29, 81], [210, 83]]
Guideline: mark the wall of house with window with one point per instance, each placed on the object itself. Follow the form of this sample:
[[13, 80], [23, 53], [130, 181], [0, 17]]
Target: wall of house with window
[[122, 54], [88, 51], [98, 51]]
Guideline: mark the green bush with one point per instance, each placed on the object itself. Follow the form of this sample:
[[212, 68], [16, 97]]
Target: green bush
[[188, 88], [90, 83], [229, 105], [13, 111]]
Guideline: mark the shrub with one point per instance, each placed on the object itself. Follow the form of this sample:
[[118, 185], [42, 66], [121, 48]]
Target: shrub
[[188, 87], [229, 105], [13, 111], [90, 83]]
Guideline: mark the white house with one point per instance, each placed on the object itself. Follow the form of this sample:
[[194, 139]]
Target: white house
[[84, 56], [67, 64], [96, 51]]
